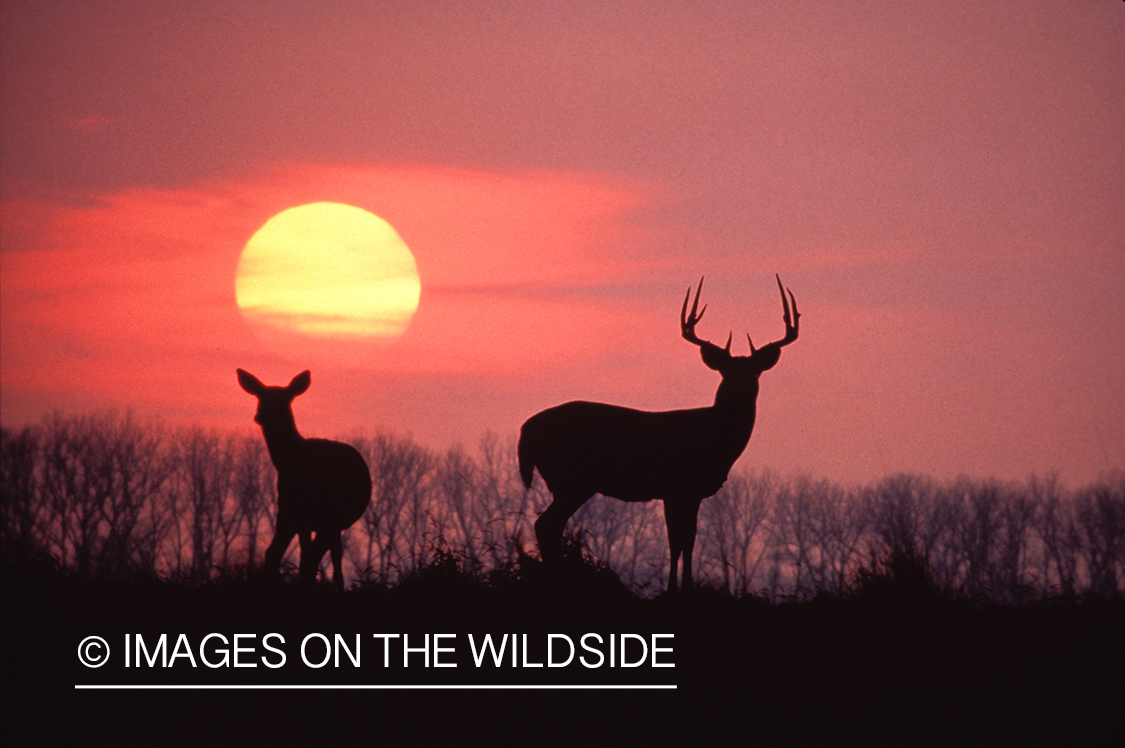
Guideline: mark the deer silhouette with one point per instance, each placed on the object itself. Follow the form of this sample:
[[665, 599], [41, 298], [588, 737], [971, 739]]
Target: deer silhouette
[[322, 486], [680, 456]]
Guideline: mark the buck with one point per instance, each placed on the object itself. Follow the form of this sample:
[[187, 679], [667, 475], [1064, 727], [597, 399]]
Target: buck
[[322, 486], [680, 456]]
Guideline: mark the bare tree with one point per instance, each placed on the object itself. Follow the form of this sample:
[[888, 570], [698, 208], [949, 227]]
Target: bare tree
[[733, 523], [21, 496], [839, 522], [255, 492], [1100, 515], [394, 522], [138, 469], [1055, 527], [627, 538], [76, 481], [205, 464], [456, 508]]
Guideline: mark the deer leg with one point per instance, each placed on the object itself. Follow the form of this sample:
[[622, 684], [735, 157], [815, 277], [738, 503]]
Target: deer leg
[[675, 562], [549, 527], [690, 520], [680, 516], [673, 519], [272, 562], [312, 550], [336, 546]]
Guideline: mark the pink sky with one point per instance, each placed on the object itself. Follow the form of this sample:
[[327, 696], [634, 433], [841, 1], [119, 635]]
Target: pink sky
[[941, 185]]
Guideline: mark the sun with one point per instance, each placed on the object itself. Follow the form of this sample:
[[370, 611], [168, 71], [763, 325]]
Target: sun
[[328, 270]]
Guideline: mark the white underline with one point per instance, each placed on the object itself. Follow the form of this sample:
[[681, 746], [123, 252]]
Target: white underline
[[372, 687]]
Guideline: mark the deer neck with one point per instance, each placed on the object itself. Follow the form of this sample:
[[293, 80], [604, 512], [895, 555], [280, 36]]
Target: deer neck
[[282, 440], [733, 415]]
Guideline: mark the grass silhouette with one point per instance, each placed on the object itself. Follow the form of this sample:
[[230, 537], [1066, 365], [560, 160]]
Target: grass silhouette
[[892, 660]]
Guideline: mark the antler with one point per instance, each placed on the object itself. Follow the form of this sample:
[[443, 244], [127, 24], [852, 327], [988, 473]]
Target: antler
[[688, 321], [790, 315], [792, 323], [714, 356]]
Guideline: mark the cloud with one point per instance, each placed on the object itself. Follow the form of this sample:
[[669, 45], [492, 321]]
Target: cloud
[[128, 297], [545, 286], [90, 124]]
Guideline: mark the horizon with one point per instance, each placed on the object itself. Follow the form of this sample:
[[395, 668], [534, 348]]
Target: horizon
[[940, 190]]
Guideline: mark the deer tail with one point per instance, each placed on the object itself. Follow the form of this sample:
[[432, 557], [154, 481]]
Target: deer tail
[[526, 451]]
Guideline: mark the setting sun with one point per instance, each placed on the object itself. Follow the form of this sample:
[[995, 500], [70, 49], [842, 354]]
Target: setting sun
[[328, 270]]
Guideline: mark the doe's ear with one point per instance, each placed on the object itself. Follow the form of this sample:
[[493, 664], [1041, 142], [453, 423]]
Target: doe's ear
[[300, 383], [250, 383]]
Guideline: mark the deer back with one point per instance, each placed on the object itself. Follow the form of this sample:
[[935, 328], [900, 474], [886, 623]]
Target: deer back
[[326, 484], [633, 455]]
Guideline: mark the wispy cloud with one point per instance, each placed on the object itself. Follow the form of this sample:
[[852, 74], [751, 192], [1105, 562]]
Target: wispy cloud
[[90, 124], [91, 284]]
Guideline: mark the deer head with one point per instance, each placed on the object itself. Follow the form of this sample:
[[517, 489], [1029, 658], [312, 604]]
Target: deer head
[[275, 404], [740, 373]]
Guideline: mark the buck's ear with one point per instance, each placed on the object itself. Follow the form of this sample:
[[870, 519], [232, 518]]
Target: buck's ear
[[766, 356], [300, 383], [713, 356], [250, 383]]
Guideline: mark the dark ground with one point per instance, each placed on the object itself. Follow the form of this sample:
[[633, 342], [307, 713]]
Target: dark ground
[[888, 665]]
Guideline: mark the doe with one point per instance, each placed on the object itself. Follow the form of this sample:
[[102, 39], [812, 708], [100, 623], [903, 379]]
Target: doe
[[322, 486]]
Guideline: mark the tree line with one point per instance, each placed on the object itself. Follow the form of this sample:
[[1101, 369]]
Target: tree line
[[106, 495]]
